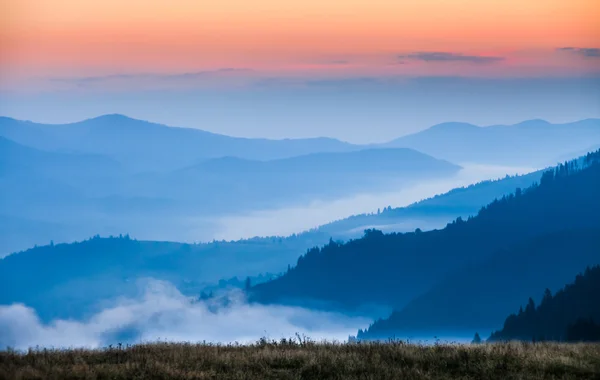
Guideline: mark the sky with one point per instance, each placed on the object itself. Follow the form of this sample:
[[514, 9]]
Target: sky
[[358, 70]]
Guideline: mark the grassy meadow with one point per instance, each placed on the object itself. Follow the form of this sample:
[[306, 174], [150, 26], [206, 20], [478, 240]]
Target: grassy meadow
[[290, 359]]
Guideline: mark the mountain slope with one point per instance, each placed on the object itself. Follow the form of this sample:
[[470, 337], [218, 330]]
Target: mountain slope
[[477, 298], [20, 160], [213, 188], [89, 193], [243, 258], [572, 313], [392, 269], [431, 213], [363, 162], [49, 182], [68, 280], [224, 181], [142, 145], [533, 142]]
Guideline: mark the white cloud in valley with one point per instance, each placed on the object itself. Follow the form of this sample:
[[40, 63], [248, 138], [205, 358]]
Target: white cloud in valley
[[163, 313], [289, 220]]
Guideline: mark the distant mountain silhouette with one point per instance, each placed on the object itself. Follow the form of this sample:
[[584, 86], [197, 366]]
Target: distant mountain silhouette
[[49, 182], [145, 146], [392, 269], [364, 162], [533, 142], [91, 193], [478, 297], [17, 159], [571, 314], [322, 176]]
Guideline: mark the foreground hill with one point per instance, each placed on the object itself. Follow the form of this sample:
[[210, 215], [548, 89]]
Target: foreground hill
[[572, 313], [392, 269], [478, 297], [289, 359], [533, 142], [142, 145]]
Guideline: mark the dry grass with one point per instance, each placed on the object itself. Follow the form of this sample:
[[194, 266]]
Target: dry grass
[[307, 360]]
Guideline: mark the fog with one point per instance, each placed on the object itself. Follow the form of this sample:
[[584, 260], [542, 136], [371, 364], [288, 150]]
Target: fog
[[289, 220], [162, 313]]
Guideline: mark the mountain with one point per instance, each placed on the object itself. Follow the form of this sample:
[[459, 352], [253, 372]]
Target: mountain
[[392, 269], [224, 181], [33, 180], [530, 143], [200, 263], [82, 194], [477, 297], [20, 160], [431, 213], [571, 314], [578, 153], [145, 146], [364, 162], [92, 193], [70, 280], [65, 215]]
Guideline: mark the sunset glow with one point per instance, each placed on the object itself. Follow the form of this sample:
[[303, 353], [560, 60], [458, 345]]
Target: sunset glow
[[43, 37], [242, 67]]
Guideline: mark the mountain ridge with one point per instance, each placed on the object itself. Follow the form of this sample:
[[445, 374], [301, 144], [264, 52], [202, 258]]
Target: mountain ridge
[[413, 262], [144, 145], [532, 142]]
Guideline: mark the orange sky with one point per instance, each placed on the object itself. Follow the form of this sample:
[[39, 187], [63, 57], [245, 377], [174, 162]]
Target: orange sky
[[81, 37]]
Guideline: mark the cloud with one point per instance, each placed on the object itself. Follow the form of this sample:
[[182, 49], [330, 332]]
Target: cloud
[[339, 62], [149, 77], [320, 83], [448, 57], [333, 62], [162, 313], [343, 82], [585, 52]]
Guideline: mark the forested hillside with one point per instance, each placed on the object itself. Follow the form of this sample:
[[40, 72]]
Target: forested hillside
[[477, 298], [198, 267], [71, 278], [571, 314], [392, 269]]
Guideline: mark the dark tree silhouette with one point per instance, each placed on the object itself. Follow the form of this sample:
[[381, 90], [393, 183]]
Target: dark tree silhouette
[[584, 330], [571, 314]]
